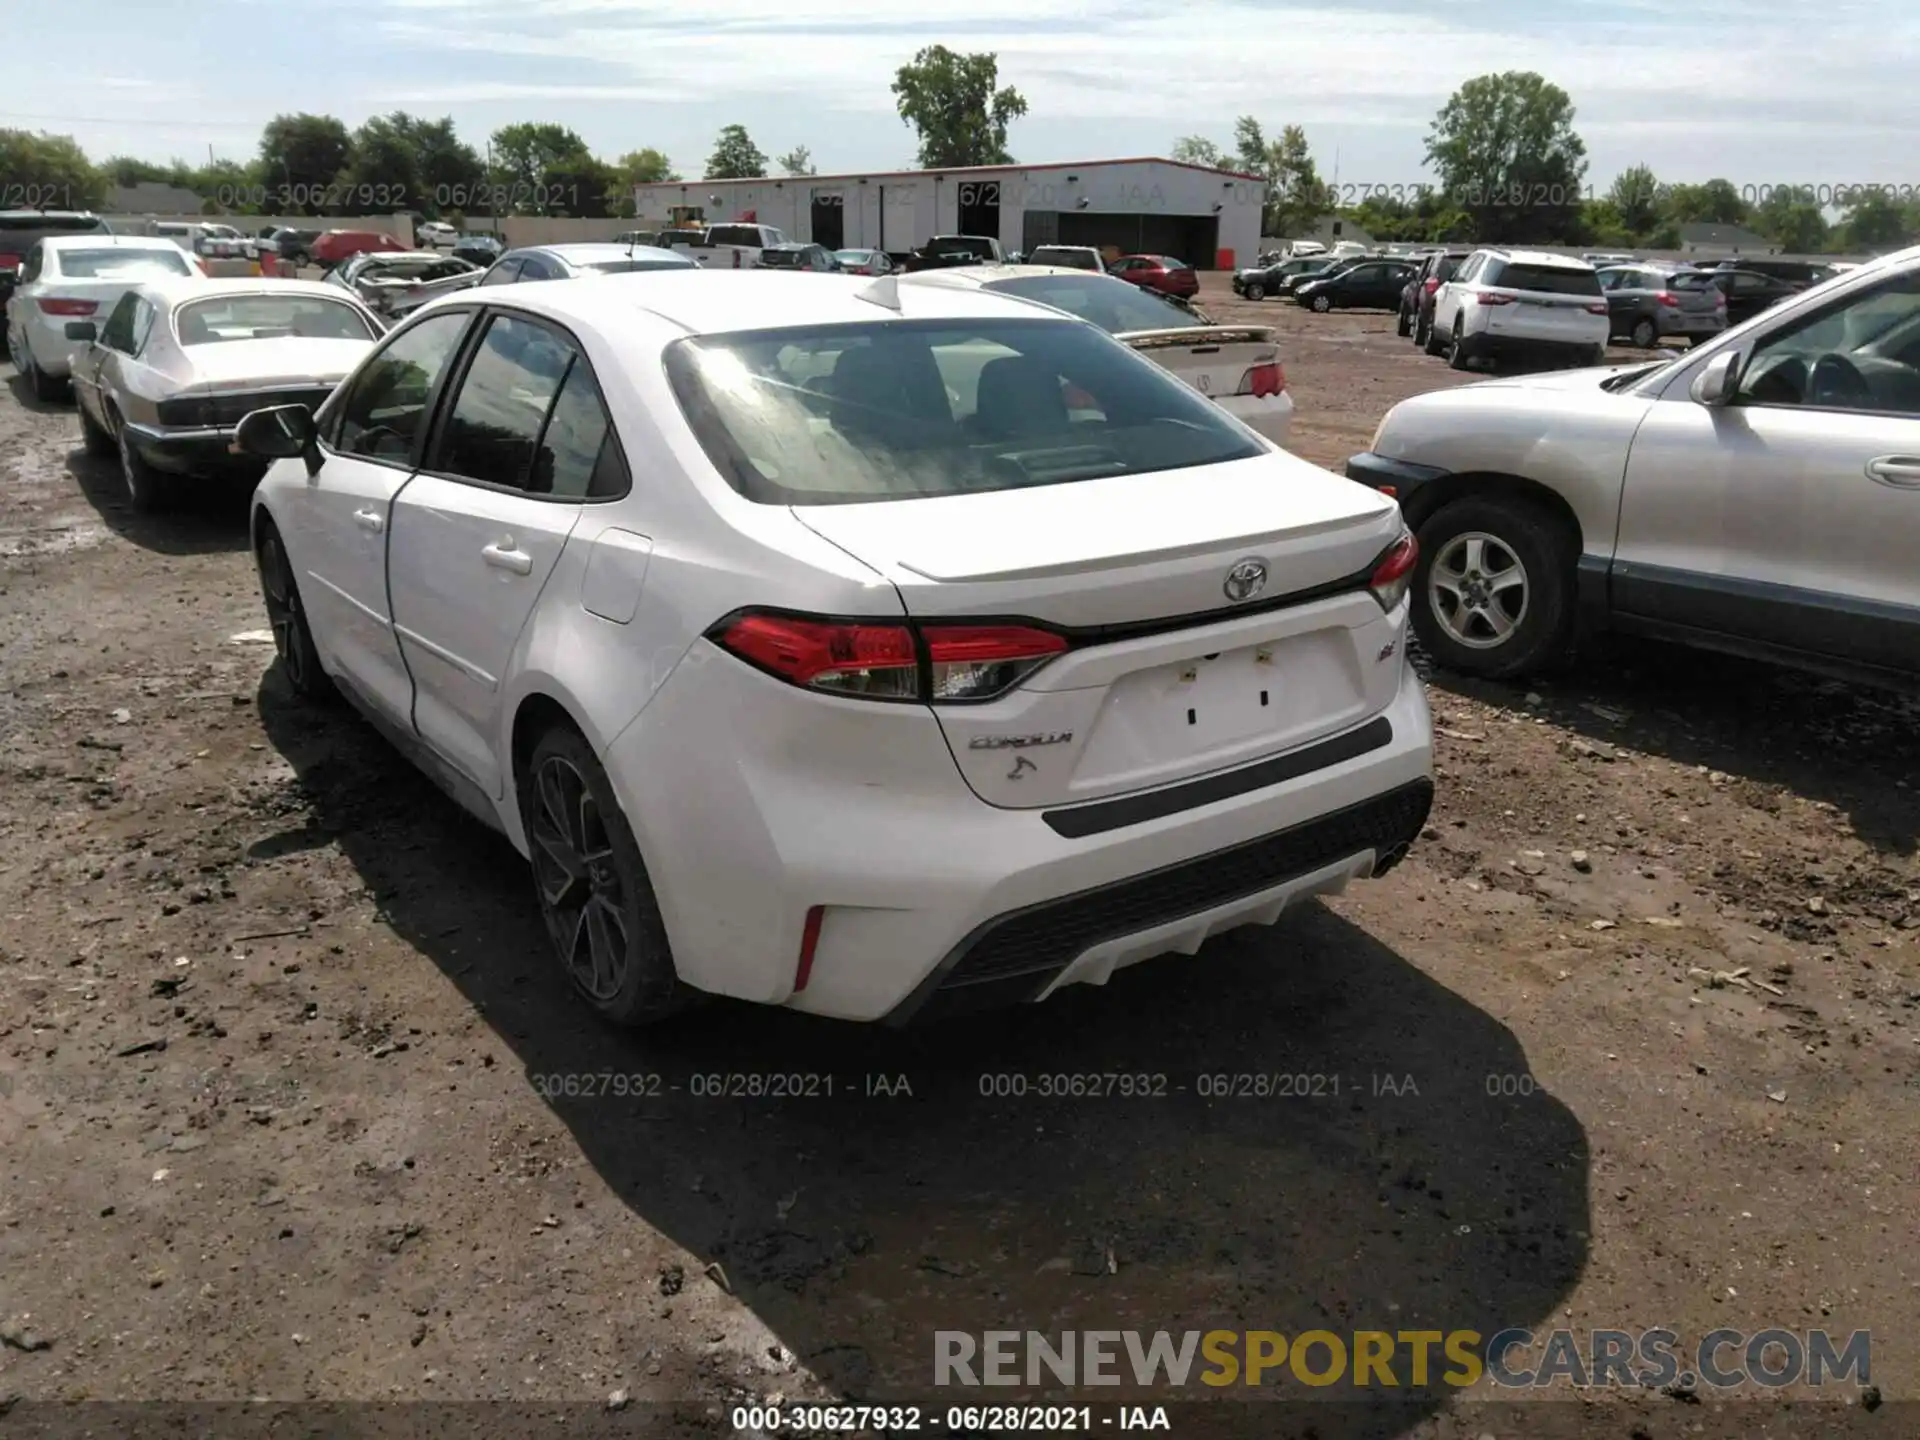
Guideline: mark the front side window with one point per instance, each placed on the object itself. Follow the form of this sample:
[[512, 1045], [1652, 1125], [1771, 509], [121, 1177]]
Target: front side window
[[895, 410], [117, 333], [224, 318], [30, 270], [382, 415], [1862, 353], [143, 313], [122, 264], [493, 428]]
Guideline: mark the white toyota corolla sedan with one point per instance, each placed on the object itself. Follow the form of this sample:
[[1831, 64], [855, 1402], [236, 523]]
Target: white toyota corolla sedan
[[870, 649]]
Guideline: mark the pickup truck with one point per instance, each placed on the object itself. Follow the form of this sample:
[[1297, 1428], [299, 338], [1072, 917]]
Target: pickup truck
[[943, 252], [730, 247]]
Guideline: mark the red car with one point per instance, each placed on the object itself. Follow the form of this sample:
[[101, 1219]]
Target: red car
[[331, 247], [1158, 272]]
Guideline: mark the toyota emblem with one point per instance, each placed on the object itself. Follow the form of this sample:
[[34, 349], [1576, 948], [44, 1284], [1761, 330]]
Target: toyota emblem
[[1246, 580]]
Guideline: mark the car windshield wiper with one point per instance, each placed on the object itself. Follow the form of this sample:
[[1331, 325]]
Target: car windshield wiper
[[1627, 377]]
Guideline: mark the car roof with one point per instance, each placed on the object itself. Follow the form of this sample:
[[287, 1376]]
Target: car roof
[[974, 277], [1545, 259], [582, 253], [80, 240], [717, 302]]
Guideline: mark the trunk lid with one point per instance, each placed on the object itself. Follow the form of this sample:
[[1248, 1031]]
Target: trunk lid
[[1168, 678], [264, 364], [1213, 359]]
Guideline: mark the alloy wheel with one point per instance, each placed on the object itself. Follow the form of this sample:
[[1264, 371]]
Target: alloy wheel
[[581, 891], [1477, 589], [283, 609]]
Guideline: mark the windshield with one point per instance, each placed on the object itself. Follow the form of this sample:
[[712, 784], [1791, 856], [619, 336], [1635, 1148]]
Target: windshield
[[897, 410], [122, 264], [268, 317], [1114, 305], [960, 245]]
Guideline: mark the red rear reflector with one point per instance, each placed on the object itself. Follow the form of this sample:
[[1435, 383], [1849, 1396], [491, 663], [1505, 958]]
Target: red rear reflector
[[54, 305], [1261, 380], [1487, 297], [1394, 574], [1392, 492], [809, 940]]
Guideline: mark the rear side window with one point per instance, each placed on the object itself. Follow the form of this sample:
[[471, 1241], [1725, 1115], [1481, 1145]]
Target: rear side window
[[1115, 306], [579, 456], [902, 409], [121, 264], [1542, 279]]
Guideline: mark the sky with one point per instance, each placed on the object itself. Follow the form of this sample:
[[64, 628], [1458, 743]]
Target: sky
[[1760, 93]]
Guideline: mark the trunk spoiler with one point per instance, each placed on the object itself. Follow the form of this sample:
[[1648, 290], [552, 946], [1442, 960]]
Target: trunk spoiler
[[1195, 335]]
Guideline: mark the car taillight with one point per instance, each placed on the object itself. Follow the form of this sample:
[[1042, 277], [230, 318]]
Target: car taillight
[[56, 305], [1430, 284], [1667, 298], [9, 262], [1487, 297], [1394, 574], [1597, 307], [1261, 380], [1719, 299], [884, 660]]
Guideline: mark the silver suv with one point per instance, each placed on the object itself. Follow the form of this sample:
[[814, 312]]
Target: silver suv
[[1760, 493]]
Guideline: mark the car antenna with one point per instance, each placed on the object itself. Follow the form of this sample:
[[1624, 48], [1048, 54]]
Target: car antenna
[[883, 292]]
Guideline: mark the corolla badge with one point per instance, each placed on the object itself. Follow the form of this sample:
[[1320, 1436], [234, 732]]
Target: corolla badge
[[1245, 580]]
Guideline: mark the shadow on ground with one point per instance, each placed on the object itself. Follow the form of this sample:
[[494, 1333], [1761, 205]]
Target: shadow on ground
[[1400, 1192], [1779, 729], [209, 517]]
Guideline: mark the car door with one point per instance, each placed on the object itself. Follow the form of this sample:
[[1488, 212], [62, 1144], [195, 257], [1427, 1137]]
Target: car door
[[478, 532], [1790, 517], [1446, 300], [92, 367], [335, 525]]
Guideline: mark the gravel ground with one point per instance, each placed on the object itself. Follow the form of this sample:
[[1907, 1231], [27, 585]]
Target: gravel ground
[[275, 1022]]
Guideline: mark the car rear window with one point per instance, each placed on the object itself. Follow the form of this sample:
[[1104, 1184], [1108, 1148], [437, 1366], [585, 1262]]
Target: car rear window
[[747, 235], [1542, 279], [1689, 280], [1114, 305], [903, 409], [263, 317], [117, 264], [624, 266]]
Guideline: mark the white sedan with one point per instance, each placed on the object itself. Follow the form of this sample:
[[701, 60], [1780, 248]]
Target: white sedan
[[814, 659], [177, 364], [1236, 365], [66, 278]]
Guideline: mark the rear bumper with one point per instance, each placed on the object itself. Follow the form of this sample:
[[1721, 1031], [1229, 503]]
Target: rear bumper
[[1494, 345], [1269, 415], [53, 352], [933, 901], [193, 452]]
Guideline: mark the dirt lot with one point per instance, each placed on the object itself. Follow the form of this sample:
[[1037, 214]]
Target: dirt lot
[[276, 1022]]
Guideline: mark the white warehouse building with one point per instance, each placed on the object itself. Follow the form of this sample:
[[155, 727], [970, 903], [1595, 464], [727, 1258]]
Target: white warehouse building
[[1209, 218]]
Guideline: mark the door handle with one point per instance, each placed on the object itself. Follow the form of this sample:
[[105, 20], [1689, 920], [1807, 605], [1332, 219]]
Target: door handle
[[1900, 471], [502, 557], [370, 520]]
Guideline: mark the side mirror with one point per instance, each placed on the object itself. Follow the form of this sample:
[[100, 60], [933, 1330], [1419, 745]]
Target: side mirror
[[1716, 383], [82, 330], [279, 432]]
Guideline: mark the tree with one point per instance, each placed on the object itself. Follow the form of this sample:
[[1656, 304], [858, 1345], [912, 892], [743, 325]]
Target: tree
[[1874, 221], [1715, 203], [1506, 151], [1295, 197], [581, 185], [306, 154], [526, 157], [797, 161], [735, 156], [954, 102], [1636, 199], [644, 167], [49, 172], [1790, 219], [127, 170], [1198, 150]]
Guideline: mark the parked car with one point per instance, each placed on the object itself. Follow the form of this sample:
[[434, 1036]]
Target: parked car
[[1366, 285], [179, 362], [435, 234], [735, 245], [1237, 366], [392, 284], [1760, 493], [1260, 281], [74, 277], [943, 251], [1157, 272], [794, 256], [864, 262], [333, 247], [570, 262], [1504, 304], [293, 244], [1749, 292], [1165, 743], [480, 249], [1796, 272], [1072, 257], [21, 230], [1416, 310], [1648, 303]]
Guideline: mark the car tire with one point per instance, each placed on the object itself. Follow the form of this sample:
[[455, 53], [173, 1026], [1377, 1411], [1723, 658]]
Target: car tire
[[1459, 356], [149, 490], [1475, 543], [44, 386], [592, 886], [99, 441], [1404, 327], [287, 617], [1596, 357], [1322, 304], [1645, 333], [1433, 344], [1255, 291]]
